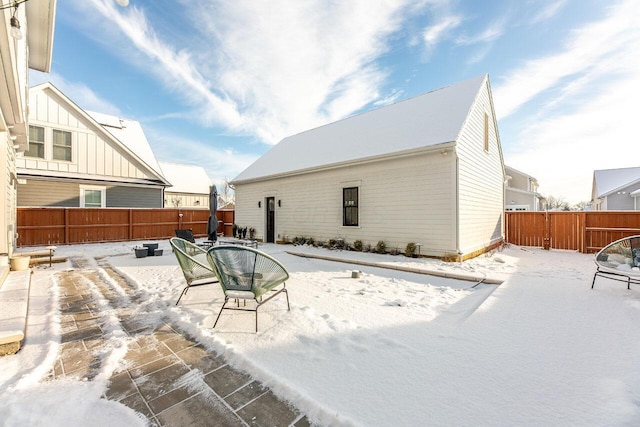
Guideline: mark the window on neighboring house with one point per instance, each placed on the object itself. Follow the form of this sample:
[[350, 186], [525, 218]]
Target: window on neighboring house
[[61, 145], [486, 132], [36, 142], [92, 197], [350, 206]]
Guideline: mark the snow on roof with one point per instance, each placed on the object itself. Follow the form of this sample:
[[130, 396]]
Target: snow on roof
[[186, 178], [607, 180], [433, 118], [130, 133]]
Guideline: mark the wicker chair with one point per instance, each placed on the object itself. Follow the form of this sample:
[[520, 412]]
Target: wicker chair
[[247, 274], [194, 264]]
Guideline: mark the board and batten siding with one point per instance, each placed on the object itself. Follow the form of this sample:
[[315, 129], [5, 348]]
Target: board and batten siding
[[92, 153], [401, 200], [480, 178], [67, 194]]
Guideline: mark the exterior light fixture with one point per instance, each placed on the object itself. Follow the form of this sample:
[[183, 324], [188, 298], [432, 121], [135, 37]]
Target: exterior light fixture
[[15, 24], [259, 204], [279, 203], [15, 28]]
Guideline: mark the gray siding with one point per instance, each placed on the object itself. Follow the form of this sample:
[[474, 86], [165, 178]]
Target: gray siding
[[67, 194], [134, 197]]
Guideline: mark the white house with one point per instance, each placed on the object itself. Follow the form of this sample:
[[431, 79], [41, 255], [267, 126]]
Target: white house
[[33, 50], [426, 170], [189, 188], [78, 158], [521, 192], [616, 189]]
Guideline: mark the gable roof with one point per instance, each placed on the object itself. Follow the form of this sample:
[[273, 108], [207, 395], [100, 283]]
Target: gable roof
[[130, 133], [186, 178], [127, 134], [426, 120], [606, 181]]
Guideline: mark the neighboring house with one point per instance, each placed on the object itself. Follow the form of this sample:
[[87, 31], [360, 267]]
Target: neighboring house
[[427, 170], [521, 192], [33, 50], [616, 190], [190, 186], [78, 158]]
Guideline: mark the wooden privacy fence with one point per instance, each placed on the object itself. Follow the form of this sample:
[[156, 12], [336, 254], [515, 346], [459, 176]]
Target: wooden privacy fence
[[586, 232], [51, 226]]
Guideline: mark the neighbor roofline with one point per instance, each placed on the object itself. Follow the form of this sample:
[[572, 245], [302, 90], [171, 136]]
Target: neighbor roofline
[[48, 85], [608, 193], [360, 161]]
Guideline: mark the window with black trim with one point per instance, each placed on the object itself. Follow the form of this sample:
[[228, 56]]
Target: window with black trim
[[36, 142], [61, 145], [350, 206]]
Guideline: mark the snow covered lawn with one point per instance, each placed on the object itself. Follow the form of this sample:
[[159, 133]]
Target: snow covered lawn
[[393, 348]]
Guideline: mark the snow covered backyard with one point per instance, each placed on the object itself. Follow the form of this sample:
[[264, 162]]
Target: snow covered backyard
[[388, 348]]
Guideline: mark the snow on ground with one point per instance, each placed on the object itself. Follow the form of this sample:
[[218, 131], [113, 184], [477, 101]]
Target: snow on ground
[[389, 348]]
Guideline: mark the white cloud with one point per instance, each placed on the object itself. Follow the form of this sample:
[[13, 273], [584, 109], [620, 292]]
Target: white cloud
[[548, 11], [440, 30], [583, 52], [494, 31], [78, 92], [585, 106], [219, 163], [267, 69]]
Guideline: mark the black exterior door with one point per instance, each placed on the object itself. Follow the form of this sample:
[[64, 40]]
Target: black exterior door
[[271, 219]]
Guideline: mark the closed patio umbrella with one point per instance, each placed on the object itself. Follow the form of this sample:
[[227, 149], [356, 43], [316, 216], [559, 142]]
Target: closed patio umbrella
[[212, 225]]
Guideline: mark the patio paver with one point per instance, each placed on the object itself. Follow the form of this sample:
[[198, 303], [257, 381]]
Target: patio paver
[[168, 377]]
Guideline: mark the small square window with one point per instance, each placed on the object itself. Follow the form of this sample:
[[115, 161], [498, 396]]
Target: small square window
[[61, 145], [36, 142], [92, 197]]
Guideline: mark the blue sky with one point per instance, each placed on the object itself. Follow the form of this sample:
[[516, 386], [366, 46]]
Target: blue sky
[[217, 82]]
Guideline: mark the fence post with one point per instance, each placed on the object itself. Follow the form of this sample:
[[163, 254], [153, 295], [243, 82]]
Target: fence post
[[130, 224], [66, 226], [546, 239]]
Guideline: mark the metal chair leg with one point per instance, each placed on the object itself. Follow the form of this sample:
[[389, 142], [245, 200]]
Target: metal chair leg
[[220, 312], [184, 291]]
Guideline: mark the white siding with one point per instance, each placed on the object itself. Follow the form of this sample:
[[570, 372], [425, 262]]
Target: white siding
[[481, 179], [8, 213], [92, 153], [185, 200], [410, 199]]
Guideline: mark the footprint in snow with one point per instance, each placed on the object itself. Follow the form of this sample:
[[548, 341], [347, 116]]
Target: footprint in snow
[[395, 303]]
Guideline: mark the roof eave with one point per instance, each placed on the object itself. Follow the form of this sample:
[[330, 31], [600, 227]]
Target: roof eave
[[445, 146], [41, 17]]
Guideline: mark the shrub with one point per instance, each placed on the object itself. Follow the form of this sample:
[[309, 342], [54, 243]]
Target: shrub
[[410, 250], [357, 245], [381, 247]]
